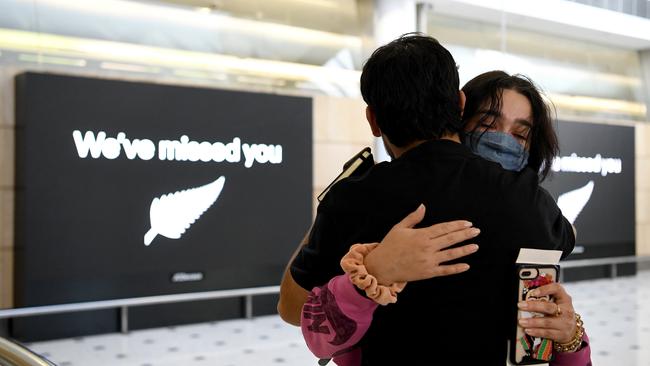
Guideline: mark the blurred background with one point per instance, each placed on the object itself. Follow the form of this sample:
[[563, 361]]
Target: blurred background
[[131, 78]]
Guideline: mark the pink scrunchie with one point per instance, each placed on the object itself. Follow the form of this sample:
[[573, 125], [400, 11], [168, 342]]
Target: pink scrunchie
[[352, 264]]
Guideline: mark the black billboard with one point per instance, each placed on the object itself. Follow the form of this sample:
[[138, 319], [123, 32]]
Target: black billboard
[[129, 189], [593, 182]]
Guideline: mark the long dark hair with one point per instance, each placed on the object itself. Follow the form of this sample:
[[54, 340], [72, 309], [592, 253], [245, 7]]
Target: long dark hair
[[411, 84], [485, 91]]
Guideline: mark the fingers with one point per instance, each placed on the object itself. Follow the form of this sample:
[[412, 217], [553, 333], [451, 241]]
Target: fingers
[[450, 269], [451, 254], [557, 329], [544, 322], [445, 228], [554, 289], [545, 307], [559, 293], [413, 218], [455, 253], [456, 237]]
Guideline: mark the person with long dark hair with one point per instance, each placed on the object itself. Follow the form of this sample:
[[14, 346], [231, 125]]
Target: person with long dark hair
[[501, 109]]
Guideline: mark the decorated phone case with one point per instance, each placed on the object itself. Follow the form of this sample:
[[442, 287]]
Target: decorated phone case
[[529, 350]]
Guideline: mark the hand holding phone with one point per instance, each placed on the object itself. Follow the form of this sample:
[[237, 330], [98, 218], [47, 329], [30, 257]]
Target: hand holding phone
[[530, 350]]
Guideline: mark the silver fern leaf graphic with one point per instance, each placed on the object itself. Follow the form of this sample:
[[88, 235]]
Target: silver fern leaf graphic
[[173, 213], [572, 202]]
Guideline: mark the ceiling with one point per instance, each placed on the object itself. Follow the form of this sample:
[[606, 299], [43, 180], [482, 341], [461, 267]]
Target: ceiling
[[338, 16]]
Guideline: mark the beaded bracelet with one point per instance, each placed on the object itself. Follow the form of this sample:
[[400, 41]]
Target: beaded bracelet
[[576, 342], [353, 265]]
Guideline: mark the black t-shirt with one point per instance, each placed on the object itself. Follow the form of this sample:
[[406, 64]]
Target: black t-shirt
[[463, 319]]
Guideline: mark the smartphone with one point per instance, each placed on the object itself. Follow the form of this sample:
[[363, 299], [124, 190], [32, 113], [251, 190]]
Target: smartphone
[[357, 165], [529, 350]]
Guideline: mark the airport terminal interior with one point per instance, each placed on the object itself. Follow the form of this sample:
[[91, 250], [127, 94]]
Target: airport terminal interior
[[161, 161]]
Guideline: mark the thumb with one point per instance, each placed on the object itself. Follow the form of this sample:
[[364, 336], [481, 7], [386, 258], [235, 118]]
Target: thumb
[[413, 218]]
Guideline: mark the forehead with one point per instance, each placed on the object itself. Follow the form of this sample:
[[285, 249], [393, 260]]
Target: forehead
[[514, 105]]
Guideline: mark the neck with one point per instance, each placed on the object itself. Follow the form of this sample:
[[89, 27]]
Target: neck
[[396, 152], [451, 137], [399, 151]]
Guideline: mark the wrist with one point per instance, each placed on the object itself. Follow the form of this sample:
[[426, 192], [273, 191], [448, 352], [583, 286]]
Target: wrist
[[575, 343], [353, 264], [373, 264]]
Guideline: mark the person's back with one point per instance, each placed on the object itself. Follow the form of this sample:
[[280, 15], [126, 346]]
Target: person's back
[[462, 319]]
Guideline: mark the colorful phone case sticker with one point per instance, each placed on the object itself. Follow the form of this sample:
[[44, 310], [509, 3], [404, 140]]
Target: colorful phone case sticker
[[529, 348]]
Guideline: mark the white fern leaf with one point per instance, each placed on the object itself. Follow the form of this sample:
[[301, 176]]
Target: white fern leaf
[[173, 213], [572, 202]]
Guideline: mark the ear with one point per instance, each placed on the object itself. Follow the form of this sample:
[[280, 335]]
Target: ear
[[372, 121], [461, 101]]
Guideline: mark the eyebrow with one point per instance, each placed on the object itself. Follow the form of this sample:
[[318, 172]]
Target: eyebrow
[[524, 122], [489, 112]]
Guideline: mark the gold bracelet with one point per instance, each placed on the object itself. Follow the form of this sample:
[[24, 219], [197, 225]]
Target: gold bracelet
[[576, 342]]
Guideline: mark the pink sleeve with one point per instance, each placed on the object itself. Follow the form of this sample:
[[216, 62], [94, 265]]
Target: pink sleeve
[[580, 358], [335, 318]]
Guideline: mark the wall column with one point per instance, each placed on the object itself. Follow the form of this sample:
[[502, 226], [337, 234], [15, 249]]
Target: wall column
[[643, 166], [391, 19]]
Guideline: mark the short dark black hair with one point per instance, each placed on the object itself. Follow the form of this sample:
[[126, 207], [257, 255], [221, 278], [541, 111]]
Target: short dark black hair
[[485, 92], [412, 85]]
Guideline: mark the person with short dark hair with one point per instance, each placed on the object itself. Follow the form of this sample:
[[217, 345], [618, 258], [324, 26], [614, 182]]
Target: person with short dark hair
[[410, 107], [411, 88]]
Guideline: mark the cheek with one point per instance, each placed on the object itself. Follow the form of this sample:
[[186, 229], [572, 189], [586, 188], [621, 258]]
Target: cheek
[[529, 141], [524, 144], [470, 125]]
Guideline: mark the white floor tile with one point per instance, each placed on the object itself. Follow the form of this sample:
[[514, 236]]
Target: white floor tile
[[616, 315]]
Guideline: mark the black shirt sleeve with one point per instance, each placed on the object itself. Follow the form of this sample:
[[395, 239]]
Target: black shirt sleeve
[[532, 216], [561, 230], [338, 222], [314, 264]]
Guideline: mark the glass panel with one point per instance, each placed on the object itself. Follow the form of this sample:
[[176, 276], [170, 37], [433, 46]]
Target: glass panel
[[581, 78], [632, 7], [261, 45], [336, 16]]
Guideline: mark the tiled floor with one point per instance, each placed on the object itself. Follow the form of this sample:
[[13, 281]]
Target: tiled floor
[[261, 341], [616, 314], [617, 318]]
